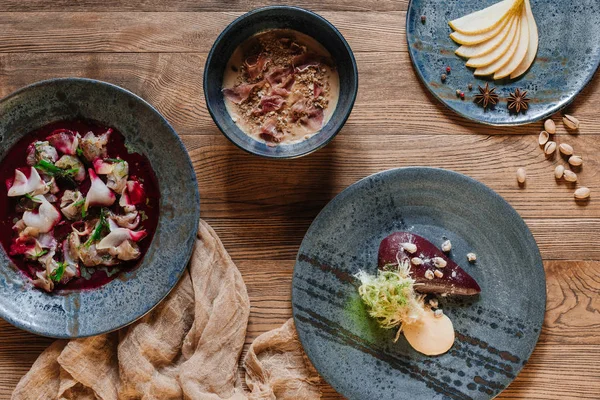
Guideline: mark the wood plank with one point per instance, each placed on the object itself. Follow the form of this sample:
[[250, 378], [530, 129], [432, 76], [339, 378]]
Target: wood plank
[[571, 333], [173, 83], [194, 6], [278, 238], [170, 32], [304, 186]]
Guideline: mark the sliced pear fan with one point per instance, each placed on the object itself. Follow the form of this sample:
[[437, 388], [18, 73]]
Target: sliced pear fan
[[470, 40], [486, 19], [520, 52], [533, 44], [488, 46], [499, 51], [501, 40], [502, 61]]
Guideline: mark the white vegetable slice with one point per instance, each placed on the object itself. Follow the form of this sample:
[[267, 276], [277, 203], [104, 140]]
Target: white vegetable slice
[[520, 52], [488, 46], [502, 61], [99, 194], [23, 185], [533, 44], [45, 218], [500, 51], [471, 40], [486, 19]]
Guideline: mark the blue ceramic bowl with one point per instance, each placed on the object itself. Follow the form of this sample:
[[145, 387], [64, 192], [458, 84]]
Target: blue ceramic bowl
[[280, 17], [130, 296], [568, 57]]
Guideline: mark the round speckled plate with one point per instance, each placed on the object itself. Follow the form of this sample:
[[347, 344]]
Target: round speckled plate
[[132, 294], [495, 332], [568, 57]]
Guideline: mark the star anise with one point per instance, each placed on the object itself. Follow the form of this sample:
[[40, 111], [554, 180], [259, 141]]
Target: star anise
[[518, 101], [486, 96]]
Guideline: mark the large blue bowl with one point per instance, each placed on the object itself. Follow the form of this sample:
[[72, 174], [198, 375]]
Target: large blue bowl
[[280, 17], [130, 296], [567, 58]]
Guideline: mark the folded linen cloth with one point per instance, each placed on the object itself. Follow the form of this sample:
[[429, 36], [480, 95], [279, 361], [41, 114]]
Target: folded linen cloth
[[186, 348]]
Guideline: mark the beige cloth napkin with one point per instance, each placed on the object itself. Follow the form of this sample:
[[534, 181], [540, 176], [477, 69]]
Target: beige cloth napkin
[[186, 348]]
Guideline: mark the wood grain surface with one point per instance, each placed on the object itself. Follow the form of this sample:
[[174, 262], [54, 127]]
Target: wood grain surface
[[261, 209]]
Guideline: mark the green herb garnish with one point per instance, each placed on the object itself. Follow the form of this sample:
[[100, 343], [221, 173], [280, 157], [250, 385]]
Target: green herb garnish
[[53, 170], [79, 202], [390, 296], [41, 253], [100, 227], [57, 274], [79, 152], [48, 167], [114, 160], [32, 198]]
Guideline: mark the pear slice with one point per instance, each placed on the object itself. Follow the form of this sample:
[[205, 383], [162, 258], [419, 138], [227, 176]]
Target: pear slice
[[498, 52], [471, 40], [502, 61], [533, 44], [488, 46], [486, 19], [520, 52]]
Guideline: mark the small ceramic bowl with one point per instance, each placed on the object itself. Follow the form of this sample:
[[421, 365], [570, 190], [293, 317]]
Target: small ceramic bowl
[[280, 17]]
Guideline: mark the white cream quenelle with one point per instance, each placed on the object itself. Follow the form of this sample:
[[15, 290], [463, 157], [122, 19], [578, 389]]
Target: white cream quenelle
[[431, 335], [501, 40]]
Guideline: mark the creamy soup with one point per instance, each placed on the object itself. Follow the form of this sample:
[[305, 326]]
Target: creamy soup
[[281, 87]]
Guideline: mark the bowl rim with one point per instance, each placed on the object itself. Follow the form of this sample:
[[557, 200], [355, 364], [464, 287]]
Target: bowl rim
[[196, 194], [311, 14]]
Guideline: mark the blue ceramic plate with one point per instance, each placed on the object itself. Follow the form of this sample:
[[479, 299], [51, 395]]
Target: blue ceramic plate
[[568, 57], [495, 332], [132, 294]]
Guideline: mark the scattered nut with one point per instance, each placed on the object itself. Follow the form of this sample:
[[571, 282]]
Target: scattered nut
[[575, 161], [470, 86], [550, 148], [434, 303], [438, 273], [458, 92], [429, 274], [544, 137], [446, 246], [423, 19], [409, 247], [416, 261], [571, 122], [582, 193], [570, 176], [550, 126], [443, 77], [438, 313], [439, 262], [559, 171], [472, 257], [566, 149], [521, 175]]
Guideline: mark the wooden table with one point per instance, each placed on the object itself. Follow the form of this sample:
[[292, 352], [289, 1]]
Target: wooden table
[[261, 209]]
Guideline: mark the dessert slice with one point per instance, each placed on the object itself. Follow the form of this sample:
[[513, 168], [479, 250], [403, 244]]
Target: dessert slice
[[432, 270]]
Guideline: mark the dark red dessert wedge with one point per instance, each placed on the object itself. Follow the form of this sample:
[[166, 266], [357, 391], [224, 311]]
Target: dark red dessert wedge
[[455, 280]]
